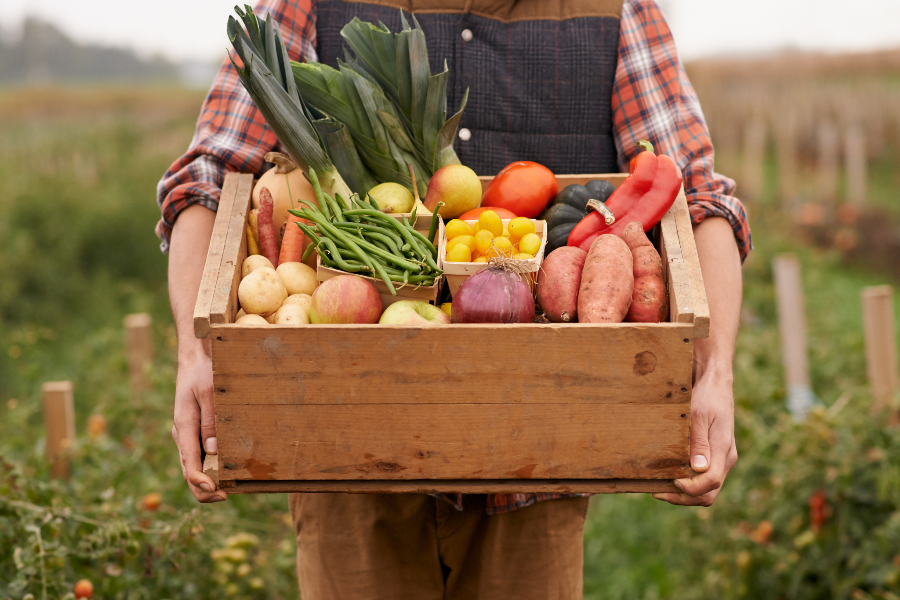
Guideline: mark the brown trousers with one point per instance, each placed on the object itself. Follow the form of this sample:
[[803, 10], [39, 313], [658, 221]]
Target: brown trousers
[[416, 547]]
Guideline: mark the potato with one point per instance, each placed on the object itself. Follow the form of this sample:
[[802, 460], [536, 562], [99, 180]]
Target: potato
[[650, 300], [607, 281], [298, 278], [558, 282], [291, 314], [240, 313], [261, 292], [254, 262], [252, 321], [304, 300]]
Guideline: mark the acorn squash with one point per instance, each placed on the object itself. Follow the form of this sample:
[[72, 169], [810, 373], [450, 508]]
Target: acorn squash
[[569, 207]]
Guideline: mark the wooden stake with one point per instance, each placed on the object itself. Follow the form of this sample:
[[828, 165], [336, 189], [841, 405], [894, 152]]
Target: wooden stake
[[855, 156], [754, 157], [139, 350], [828, 160], [59, 423], [792, 322], [881, 348]]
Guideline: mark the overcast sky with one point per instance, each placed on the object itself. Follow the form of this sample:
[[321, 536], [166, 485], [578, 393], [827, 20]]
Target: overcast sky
[[195, 29]]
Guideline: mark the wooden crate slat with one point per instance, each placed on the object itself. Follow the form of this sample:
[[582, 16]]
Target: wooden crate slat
[[342, 364], [462, 486], [224, 302], [214, 255], [453, 441], [692, 267]]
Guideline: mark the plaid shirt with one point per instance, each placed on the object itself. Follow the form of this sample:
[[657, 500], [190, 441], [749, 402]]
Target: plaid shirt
[[652, 99]]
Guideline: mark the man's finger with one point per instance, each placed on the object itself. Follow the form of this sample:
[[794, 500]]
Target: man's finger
[[208, 421], [704, 482], [188, 431], [700, 450], [685, 500]]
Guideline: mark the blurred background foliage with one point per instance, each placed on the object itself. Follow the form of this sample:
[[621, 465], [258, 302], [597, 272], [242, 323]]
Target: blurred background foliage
[[810, 511]]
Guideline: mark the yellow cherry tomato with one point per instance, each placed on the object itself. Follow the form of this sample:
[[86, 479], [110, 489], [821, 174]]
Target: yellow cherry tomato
[[456, 228], [530, 243], [520, 227], [446, 307], [522, 256], [502, 247], [465, 240], [505, 232], [459, 253], [480, 259], [483, 241], [475, 228], [490, 221]]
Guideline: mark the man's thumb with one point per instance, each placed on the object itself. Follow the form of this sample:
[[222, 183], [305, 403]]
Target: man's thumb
[[208, 427], [699, 443]]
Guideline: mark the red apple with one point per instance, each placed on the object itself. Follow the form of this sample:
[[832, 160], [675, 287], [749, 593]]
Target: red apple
[[413, 312], [345, 299]]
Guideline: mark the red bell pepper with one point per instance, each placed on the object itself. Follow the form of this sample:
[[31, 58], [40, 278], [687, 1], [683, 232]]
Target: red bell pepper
[[645, 195]]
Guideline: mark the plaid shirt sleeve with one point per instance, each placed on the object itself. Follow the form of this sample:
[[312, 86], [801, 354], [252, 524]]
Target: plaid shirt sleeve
[[654, 100], [231, 135]]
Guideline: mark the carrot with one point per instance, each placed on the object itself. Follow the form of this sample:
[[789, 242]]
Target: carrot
[[268, 243], [292, 242]]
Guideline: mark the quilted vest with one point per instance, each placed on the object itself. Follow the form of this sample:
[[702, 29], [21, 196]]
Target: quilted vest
[[540, 74]]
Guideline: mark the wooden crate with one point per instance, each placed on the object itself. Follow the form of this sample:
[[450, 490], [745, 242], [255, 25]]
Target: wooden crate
[[457, 272], [456, 408]]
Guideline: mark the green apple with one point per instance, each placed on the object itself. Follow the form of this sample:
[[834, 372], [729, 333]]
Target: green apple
[[413, 312]]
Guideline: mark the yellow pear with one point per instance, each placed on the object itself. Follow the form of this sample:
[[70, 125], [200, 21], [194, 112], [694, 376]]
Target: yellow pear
[[457, 186]]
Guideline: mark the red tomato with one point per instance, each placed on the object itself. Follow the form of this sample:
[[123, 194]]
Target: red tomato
[[523, 188], [84, 589], [472, 215]]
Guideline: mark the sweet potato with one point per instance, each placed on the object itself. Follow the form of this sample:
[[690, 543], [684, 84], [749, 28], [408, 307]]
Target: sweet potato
[[650, 302], [607, 282], [558, 282]]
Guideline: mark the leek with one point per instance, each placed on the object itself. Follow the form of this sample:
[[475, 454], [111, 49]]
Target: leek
[[268, 79]]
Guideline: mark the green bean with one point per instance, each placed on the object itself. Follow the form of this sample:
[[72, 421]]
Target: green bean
[[357, 244], [323, 206], [367, 227], [403, 230], [405, 248], [376, 235], [338, 259], [434, 223], [372, 203]]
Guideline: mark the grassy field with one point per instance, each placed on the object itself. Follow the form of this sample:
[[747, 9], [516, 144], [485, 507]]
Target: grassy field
[[78, 171]]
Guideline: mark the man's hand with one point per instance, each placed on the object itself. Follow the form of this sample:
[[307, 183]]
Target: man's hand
[[713, 451], [195, 419]]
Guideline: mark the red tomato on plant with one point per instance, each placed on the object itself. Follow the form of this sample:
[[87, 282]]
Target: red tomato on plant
[[523, 188], [472, 215], [84, 589]]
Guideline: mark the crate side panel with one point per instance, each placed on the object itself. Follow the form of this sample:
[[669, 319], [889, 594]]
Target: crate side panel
[[592, 364], [224, 302], [453, 441]]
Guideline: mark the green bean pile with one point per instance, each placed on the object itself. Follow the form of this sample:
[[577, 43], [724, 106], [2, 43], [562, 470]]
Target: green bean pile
[[356, 237]]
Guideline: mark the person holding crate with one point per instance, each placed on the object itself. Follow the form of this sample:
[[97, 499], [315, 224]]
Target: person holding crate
[[572, 85]]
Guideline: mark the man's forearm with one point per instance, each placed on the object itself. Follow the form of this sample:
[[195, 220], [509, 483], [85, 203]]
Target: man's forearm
[[721, 267], [187, 257]]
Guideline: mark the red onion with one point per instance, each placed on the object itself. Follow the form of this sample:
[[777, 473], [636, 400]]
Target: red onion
[[494, 294]]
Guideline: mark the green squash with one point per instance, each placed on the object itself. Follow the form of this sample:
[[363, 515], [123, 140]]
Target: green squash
[[569, 208]]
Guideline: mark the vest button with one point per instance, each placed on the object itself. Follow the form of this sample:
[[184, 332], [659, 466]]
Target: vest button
[[467, 35], [465, 135]]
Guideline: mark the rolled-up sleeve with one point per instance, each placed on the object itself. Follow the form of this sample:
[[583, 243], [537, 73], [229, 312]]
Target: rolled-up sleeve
[[231, 134], [653, 99]]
